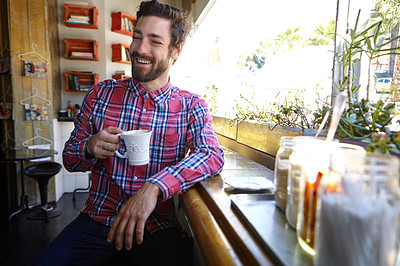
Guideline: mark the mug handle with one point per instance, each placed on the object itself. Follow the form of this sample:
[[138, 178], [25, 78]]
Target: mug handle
[[123, 156]]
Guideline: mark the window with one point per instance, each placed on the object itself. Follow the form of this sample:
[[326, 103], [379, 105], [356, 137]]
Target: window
[[274, 51], [261, 50]]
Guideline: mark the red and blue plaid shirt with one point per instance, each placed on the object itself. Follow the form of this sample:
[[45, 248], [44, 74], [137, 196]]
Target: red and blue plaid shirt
[[183, 147]]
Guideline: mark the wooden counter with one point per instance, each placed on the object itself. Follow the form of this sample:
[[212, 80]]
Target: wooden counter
[[240, 229]]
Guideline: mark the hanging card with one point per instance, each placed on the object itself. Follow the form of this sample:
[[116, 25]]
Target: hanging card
[[35, 69]]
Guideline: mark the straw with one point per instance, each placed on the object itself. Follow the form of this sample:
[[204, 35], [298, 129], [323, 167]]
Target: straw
[[323, 123], [338, 109]]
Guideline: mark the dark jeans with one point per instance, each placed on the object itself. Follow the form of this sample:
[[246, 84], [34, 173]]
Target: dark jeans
[[84, 242]]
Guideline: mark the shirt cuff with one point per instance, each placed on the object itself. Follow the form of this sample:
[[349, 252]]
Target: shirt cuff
[[85, 153], [167, 183]]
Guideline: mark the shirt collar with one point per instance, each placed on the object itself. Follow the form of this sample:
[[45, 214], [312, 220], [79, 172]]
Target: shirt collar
[[158, 96]]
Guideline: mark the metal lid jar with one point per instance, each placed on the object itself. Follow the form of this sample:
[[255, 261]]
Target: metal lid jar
[[281, 171]]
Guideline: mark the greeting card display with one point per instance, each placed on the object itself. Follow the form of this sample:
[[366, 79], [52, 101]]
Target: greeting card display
[[35, 112], [35, 69]]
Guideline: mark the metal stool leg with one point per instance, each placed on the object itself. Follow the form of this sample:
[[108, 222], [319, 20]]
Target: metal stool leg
[[82, 189]]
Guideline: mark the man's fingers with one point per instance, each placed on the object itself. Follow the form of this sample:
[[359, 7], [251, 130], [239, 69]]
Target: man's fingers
[[114, 130], [109, 135], [120, 233], [139, 231], [111, 233], [105, 143], [129, 234]]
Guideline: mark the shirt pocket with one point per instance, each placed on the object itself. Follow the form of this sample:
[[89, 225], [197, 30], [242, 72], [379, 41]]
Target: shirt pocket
[[167, 146]]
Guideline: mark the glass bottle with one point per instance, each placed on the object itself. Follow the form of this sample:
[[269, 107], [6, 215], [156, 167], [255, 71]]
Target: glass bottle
[[282, 170], [359, 212], [69, 109]]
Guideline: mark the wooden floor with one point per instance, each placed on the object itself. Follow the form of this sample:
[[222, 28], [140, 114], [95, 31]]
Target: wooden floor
[[27, 238]]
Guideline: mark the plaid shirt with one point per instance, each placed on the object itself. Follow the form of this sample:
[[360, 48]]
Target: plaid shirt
[[183, 147]]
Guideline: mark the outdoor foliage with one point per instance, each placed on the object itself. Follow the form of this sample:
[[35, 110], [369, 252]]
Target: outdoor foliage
[[210, 95], [363, 119], [291, 111]]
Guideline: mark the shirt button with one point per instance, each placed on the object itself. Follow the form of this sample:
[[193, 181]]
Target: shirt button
[[144, 110], [134, 178]]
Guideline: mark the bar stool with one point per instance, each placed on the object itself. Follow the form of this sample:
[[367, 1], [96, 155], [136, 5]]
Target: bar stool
[[42, 172]]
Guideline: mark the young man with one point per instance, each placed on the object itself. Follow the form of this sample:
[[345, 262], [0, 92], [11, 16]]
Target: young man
[[130, 209]]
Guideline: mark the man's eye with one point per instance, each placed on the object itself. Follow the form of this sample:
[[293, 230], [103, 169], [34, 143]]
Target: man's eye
[[156, 42]]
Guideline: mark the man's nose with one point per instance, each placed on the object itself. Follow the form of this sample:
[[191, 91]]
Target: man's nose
[[142, 47]]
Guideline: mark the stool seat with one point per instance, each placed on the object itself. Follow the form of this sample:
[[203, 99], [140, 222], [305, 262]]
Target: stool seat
[[42, 172]]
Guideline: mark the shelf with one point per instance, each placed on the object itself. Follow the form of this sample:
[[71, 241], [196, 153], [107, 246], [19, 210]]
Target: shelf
[[78, 49], [80, 16], [120, 53], [117, 77], [77, 81], [123, 23]]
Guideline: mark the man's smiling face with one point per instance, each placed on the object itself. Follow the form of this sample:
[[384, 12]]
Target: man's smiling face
[[150, 53]]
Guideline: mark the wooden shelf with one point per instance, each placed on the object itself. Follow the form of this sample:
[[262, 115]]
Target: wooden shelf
[[120, 53], [85, 80], [117, 77], [80, 16], [78, 49], [123, 23]]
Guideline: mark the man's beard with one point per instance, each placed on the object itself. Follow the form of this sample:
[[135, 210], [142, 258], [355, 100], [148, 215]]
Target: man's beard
[[141, 75]]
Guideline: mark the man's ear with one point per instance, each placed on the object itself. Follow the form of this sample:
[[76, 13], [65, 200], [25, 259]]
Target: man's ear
[[176, 52]]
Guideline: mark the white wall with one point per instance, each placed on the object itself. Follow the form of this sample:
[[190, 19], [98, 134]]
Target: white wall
[[66, 181]]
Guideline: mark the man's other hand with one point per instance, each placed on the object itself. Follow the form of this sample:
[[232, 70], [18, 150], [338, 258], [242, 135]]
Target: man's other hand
[[133, 215]]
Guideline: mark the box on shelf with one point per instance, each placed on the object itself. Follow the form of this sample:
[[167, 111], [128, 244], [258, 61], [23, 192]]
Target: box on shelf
[[80, 16], [80, 80], [120, 53], [78, 49], [123, 23]]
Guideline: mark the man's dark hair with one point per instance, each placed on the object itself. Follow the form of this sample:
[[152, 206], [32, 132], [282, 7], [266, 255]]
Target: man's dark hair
[[180, 23]]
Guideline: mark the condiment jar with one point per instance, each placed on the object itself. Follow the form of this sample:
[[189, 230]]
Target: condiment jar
[[282, 170], [316, 167], [297, 159], [359, 212]]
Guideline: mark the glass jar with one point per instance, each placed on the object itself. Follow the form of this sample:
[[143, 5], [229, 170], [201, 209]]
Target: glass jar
[[294, 175], [297, 160], [359, 212], [316, 167], [282, 170]]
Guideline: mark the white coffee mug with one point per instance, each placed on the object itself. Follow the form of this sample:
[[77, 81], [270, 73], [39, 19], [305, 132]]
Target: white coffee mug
[[137, 143]]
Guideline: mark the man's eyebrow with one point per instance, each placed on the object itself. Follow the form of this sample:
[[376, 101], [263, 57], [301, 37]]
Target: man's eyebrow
[[151, 35]]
